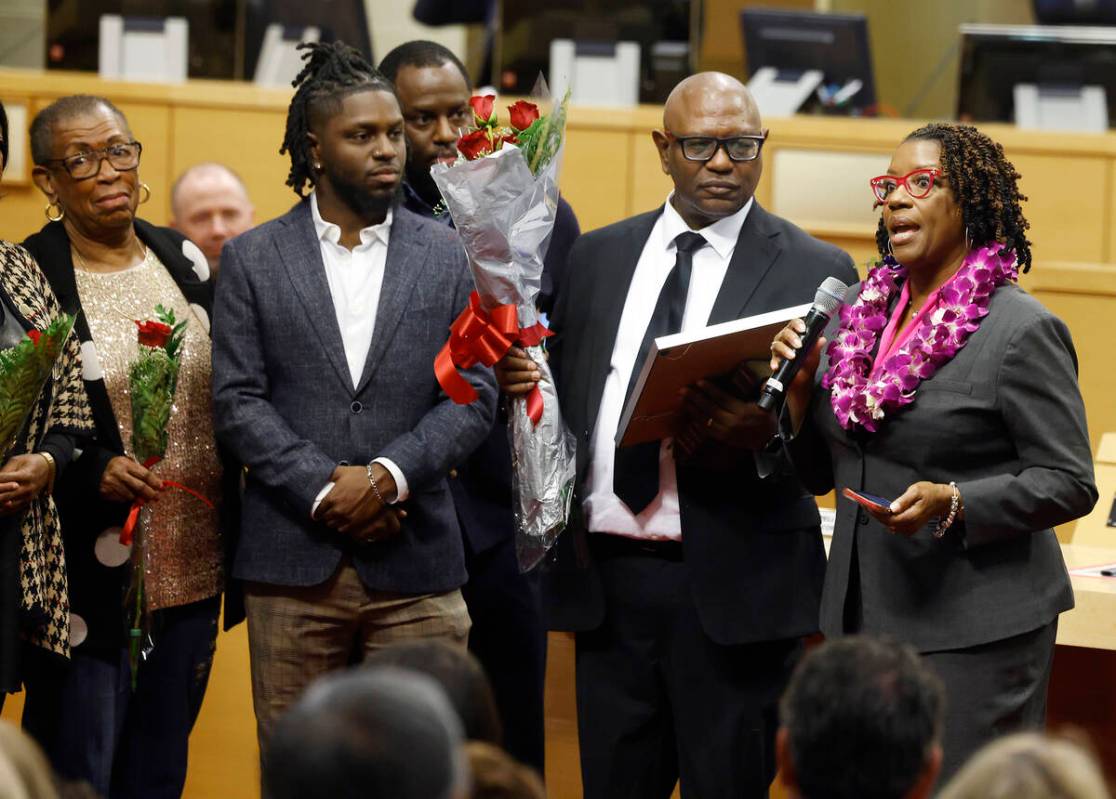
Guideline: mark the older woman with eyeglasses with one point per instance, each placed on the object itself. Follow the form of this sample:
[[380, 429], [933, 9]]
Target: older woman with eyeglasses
[[111, 268], [950, 396], [34, 607]]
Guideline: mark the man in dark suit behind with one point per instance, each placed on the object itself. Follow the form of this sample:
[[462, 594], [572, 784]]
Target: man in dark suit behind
[[691, 582], [325, 328], [507, 636]]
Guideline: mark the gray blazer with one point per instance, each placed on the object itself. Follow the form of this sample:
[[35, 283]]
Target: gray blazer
[[285, 403], [1003, 419]]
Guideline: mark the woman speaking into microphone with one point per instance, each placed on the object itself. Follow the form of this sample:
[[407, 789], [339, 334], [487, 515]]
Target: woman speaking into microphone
[[949, 396]]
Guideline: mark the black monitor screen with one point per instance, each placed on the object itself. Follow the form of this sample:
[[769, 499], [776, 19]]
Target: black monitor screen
[[994, 58], [791, 41], [527, 29]]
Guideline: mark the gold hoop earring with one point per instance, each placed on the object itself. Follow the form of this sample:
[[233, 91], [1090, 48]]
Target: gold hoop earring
[[144, 188], [61, 212]]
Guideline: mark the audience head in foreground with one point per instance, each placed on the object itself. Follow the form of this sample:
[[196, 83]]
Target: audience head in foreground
[[497, 775], [24, 772], [383, 732], [210, 205], [861, 719], [1029, 765], [459, 674]]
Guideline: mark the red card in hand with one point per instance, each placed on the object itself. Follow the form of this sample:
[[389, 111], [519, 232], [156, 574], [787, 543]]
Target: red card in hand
[[878, 504]]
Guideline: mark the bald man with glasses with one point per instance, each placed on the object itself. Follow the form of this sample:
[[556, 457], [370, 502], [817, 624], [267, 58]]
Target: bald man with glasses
[[690, 581]]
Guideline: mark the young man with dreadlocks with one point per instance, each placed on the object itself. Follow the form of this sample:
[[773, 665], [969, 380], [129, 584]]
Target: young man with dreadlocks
[[953, 393], [324, 387]]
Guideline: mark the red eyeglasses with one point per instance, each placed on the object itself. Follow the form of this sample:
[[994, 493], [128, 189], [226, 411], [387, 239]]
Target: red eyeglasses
[[917, 183]]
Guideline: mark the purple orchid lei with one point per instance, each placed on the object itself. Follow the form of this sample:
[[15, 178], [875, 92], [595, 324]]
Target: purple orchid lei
[[963, 301]]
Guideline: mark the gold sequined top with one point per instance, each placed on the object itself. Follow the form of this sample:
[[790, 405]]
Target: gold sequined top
[[182, 542]]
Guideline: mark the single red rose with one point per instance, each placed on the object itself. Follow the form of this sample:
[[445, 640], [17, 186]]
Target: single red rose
[[34, 335], [153, 334], [523, 114], [474, 145], [483, 108]]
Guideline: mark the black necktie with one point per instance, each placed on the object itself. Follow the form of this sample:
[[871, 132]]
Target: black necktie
[[636, 475]]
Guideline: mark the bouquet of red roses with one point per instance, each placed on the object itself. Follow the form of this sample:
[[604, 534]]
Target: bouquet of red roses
[[152, 381], [503, 196], [24, 369]]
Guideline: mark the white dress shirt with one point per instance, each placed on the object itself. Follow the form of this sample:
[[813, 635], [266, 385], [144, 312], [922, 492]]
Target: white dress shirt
[[355, 279], [604, 511]]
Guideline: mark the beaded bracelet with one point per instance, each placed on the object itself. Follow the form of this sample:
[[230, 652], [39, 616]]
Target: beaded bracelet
[[375, 487], [954, 507]]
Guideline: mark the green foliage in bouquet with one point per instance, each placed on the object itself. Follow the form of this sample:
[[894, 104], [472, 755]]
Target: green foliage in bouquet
[[153, 378], [542, 140], [24, 369]]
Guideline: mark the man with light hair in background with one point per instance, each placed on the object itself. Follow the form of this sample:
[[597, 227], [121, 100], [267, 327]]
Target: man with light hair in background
[[210, 205]]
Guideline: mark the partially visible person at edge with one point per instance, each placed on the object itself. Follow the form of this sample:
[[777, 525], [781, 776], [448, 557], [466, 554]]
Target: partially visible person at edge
[[109, 268], [952, 393], [328, 320], [508, 635], [209, 205], [689, 580], [34, 603], [434, 89], [1030, 765]]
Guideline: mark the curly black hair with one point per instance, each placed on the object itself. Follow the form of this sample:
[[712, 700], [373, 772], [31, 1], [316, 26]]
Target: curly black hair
[[332, 72], [985, 185]]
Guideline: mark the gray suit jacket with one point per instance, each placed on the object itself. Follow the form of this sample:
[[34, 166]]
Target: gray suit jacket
[[285, 403], [1003, 419]]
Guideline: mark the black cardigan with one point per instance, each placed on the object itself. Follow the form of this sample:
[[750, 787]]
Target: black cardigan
[[96, 592]]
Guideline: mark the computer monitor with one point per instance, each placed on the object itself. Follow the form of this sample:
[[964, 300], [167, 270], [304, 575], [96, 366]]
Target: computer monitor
[[1074, 12], [795, 42], [346, 20], [1057, 61]]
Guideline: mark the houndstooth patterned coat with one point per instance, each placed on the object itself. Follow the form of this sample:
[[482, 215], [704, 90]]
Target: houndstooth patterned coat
[[62, 408]]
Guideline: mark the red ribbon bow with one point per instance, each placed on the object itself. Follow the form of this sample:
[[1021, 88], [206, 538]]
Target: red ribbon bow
[[479, 336], [127, 533]]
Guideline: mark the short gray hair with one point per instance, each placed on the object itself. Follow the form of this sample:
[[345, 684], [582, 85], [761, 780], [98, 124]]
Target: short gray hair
[[42, 126]]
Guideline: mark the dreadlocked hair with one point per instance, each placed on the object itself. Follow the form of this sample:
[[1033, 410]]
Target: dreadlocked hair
[[333, 71], [985, 185]]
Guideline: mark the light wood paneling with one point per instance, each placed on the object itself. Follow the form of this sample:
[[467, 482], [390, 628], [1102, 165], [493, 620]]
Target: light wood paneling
[[246, 140], [600, 160], [650, 185], [1066, 205]]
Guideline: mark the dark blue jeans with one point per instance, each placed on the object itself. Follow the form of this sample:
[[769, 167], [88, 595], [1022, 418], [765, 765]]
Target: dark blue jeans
[[127, 744]]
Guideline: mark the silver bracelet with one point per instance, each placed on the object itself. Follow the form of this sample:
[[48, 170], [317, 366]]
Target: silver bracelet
[[375, 488], [954, 507]]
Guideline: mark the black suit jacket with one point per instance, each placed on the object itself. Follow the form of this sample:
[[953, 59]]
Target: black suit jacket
[[753, 547]]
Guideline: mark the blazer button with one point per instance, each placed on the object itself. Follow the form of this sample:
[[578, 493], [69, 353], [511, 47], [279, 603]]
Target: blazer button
[[356, 407], [861, 517], [453, 474]]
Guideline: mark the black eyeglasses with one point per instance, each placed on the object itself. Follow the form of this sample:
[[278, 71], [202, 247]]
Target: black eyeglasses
[[124, 157], [745, 147]]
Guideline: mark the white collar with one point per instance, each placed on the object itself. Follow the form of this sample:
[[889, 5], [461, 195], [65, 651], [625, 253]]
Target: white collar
[[328, 231], [722, 235]]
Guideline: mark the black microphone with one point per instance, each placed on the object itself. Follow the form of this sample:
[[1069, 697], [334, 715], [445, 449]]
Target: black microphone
[[830, 297]]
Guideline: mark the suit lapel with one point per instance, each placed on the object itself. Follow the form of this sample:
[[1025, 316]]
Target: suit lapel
[[757, 249], [301, 254], [406, 257], [608, 307]]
